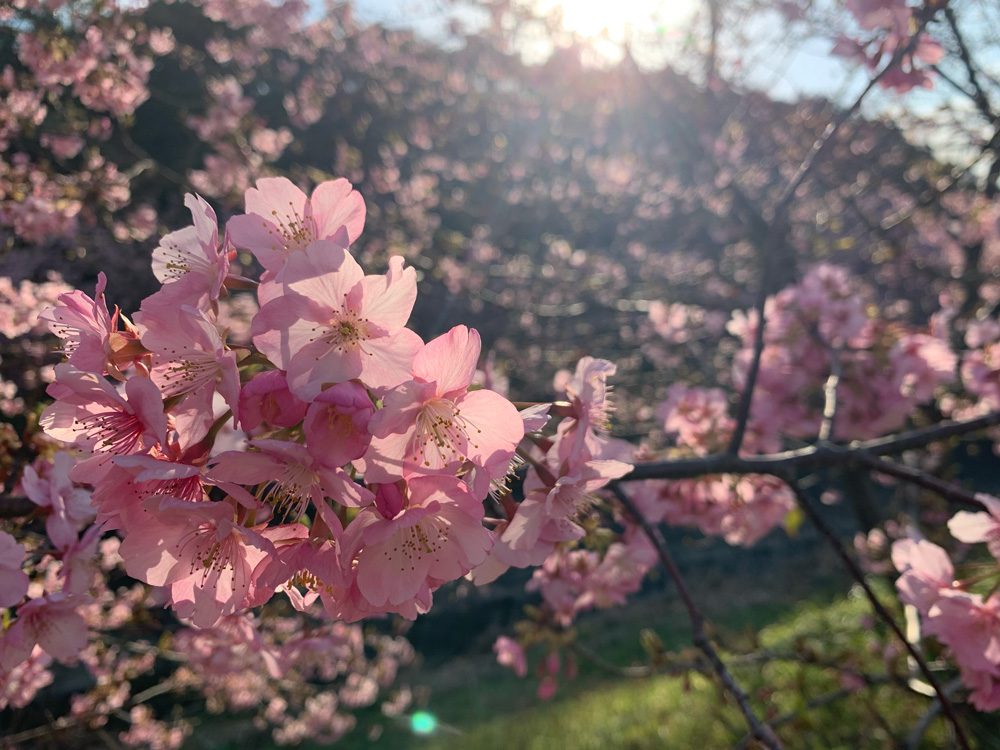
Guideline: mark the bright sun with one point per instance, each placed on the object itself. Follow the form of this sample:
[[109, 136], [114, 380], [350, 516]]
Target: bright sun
[[590, 17]]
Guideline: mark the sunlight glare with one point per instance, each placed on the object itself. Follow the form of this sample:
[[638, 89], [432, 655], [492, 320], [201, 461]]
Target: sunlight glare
[[589, 18]]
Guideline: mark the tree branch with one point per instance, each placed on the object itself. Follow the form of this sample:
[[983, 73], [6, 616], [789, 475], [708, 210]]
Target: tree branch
[[948, 490], [810, 457], [883, 613], [758, 729]]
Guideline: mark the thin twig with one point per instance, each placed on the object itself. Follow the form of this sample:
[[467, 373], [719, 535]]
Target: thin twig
[[825, 141], [978, 94], [818, 702], [66, 722], [750, 383], [758, 728], [883, 613], [949, 491], [917, 734]]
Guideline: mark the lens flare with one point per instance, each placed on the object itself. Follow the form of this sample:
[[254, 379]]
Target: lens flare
[[423, 723]]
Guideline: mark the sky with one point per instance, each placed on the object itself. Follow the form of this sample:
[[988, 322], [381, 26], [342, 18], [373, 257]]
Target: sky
[[786, 69], [810, 70]]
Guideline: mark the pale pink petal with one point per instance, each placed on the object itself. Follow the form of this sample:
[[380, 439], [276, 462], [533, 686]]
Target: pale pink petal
[[449, 360], [336, 204]]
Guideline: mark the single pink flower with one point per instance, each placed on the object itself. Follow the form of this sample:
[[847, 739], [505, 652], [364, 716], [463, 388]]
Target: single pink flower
[[79, 562], [289, 478], [89, 412], [925, 571], [200, 551], [119, 494], [969, 626], [91, 339], [68, 506], [979, 527], [304, 568], [266, 398], [188, 262], [336, 424], [434, 425], [189, 355], [52, 622], [280, 219], [510, 654], [332, 323], [437, 537]]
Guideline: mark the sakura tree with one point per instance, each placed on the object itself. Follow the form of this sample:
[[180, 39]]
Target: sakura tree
[[312, 410]]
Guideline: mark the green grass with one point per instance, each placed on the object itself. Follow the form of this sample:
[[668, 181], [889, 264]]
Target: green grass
[[481, 706], [484, 707]]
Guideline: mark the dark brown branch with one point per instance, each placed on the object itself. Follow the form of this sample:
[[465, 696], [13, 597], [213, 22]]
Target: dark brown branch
[[758, 728], [15, 506], [810, 457], [949, 491], [746, 397], [883, 613], [978, 94]]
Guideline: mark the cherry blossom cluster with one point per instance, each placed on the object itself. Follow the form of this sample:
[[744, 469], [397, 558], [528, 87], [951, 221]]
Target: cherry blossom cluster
[[274, 667], [963, 614], [885, 29], [821, 323], [358, 488], [336, 388], [72, 82]]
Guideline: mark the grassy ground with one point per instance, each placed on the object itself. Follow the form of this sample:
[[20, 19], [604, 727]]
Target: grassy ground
[[481, 706], [484, 707]]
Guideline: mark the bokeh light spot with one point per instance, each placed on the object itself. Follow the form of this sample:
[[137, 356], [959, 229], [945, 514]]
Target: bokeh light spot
[[423, 723]]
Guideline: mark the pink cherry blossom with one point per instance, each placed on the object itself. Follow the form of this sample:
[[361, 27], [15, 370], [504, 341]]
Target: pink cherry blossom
[[68, 506], [131, 479], [52, 622], [280, 219], [925, 571], [19, 685], [433, 425], [189, 355], [590, 405], [91, 339], [302, 562], [336, 424], [437, 537], [89, 412], [979, 527], [199, 551], [188, 262], [332, 323], [289, 478], [266, 398], [510, 654]]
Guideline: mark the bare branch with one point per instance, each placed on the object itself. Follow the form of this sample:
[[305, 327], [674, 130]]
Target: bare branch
[[758, 729], [818, 702], [978, 94], [15, 506], [825, 141], [948, 490], [880, 609], [810, 457]]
